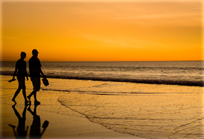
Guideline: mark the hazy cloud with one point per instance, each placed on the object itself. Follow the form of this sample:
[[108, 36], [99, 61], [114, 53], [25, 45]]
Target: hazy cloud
[[128, 42]]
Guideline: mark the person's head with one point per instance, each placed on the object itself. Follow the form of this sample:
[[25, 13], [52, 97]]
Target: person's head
[[35, 53], [23, 55]]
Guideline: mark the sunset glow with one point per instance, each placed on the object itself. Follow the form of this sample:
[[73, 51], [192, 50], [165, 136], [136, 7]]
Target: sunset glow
[[103, 31]]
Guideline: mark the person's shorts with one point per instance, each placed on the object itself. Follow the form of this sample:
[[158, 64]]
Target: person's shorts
[[21, 81], [36, 83]]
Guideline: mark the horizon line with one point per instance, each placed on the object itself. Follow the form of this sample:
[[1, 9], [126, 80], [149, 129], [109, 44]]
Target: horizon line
[[119, 61]]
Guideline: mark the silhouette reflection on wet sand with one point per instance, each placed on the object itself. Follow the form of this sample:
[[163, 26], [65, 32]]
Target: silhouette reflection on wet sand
[[22, 131], [35, 127]]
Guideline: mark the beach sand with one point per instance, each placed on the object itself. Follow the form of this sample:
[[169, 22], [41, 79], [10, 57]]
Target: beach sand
[[105, 110], [63, 122]]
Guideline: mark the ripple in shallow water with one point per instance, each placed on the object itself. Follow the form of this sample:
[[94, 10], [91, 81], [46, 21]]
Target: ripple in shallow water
[[150, 116]]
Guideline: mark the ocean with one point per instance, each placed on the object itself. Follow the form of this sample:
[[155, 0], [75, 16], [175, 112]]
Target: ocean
[[157, 100], [188, 73]]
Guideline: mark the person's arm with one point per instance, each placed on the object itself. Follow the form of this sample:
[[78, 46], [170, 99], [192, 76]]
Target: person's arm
[[15, 72], [13, 127], [26, 73], [29, 68], [42, 73], [41, 70], [45, 125], [42, 132]]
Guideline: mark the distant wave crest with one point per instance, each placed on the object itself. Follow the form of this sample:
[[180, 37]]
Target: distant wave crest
[[115, 79]]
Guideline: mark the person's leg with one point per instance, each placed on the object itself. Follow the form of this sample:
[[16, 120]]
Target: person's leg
[[18, 90], [24, 113], [37, 88], [13, 127], [16, 94], [32, 93], [21, 80], [22, 85], [31, 111], [16, 112], [35, 127], [35, 110], [29, 96], [24, 95], [35, 97]]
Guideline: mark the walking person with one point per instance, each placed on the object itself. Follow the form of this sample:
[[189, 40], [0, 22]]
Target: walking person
[[35, 71], [21, 71]]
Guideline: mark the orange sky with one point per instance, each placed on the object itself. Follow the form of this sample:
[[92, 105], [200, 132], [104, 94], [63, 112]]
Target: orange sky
[[102, 30]]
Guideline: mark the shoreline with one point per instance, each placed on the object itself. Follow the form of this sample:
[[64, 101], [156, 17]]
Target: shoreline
[[63, 122], [95, 109], [137, 81]]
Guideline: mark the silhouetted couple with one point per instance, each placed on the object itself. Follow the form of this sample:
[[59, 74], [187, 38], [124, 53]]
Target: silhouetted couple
[[35, 71], [21, 131]]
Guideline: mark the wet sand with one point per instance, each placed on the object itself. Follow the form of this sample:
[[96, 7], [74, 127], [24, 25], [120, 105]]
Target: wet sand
[[63, 122], [105, 110]]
